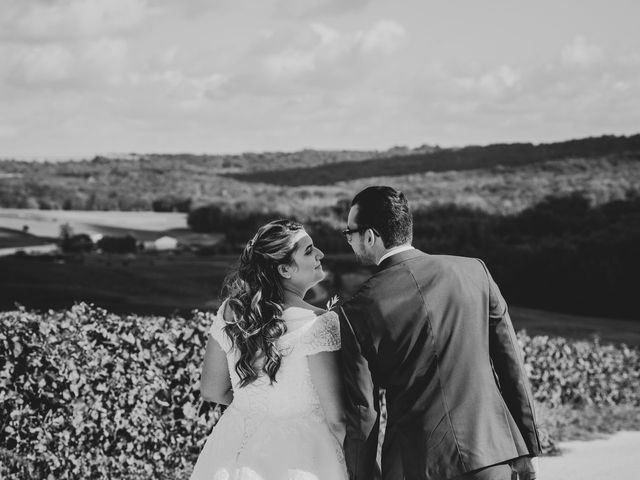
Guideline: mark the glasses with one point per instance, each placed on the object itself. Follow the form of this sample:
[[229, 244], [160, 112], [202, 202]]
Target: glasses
[[348, 232]]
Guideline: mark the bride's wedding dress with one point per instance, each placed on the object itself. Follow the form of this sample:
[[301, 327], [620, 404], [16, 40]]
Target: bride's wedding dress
[[277, 431]]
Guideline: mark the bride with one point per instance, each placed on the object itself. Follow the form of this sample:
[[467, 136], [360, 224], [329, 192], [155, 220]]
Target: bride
[[273, 358]]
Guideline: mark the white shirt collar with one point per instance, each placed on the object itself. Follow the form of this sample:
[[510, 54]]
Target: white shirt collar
[[394, 250]]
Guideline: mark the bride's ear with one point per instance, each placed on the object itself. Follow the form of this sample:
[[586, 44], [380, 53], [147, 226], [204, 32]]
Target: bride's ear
[[284, 270]]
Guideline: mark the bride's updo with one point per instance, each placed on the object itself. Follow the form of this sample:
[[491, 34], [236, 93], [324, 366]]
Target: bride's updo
[[256, 296]]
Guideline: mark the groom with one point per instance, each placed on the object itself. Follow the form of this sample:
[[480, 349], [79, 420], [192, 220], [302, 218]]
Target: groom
[[434, 332]]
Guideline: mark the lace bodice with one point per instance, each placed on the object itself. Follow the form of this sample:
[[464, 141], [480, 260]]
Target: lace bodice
[[292, 394]]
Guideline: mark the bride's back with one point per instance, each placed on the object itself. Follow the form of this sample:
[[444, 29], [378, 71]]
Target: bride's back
[[292, 393]]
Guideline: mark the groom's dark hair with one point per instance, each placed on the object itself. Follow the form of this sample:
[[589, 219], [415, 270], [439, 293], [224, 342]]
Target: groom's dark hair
[[386, 210]]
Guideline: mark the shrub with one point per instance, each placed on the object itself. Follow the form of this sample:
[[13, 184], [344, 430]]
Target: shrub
[[122, 244], [583, 373], [89, 394]]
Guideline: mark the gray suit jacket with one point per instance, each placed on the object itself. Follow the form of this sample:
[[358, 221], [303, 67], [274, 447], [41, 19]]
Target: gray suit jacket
[[434, 332]]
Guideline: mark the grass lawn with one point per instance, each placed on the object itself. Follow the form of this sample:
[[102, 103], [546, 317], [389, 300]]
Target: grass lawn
[[143, 284], [608, 330], [166, 284], [10, 238]]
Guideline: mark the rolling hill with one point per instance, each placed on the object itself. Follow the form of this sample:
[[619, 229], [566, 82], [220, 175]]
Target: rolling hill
[[497, 178], [441, 160]]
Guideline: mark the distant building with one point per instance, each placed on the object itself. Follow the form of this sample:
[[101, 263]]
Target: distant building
[[161, 244]]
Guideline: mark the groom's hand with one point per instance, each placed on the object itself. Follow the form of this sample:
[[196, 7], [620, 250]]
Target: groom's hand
[[527, 468]]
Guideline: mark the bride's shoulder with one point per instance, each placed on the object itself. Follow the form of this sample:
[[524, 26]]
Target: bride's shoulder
[[302, 310], [299, 316], [313, 330]]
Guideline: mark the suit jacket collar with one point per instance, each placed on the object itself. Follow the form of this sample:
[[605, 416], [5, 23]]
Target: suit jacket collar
[[399, 258]]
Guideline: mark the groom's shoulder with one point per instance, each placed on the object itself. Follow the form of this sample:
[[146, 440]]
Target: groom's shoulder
[[459, 263], [364, 297]]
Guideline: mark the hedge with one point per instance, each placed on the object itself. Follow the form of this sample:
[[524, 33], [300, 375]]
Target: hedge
[[89, 394]]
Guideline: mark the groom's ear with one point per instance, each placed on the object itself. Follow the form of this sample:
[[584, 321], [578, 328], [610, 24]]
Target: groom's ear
[[370, 237]]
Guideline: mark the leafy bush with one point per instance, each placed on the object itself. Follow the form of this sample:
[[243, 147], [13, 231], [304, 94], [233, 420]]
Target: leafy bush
[[89, 394], [578, 374]]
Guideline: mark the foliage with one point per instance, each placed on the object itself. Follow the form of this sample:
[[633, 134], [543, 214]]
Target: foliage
[[503, 179], [239, 223], [86, 393], [123, 244], [587, 423], [562, 254], [76, 243], [472, 157], [577, 374], [171, 203]]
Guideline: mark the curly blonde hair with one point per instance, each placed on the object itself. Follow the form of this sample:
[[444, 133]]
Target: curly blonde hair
[[255, 298]]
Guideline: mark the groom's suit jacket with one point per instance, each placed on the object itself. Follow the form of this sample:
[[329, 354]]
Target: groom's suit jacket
[[434, 332]]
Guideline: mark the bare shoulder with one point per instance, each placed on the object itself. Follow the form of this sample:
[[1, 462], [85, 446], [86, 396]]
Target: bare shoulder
[[226, 311], [305, 306]]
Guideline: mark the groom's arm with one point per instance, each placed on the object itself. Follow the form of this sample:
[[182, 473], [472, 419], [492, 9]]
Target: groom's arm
[[508, 364], [362, 400]]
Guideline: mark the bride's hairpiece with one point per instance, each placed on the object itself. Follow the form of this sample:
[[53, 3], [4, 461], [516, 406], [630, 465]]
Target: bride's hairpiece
[[295, 238]]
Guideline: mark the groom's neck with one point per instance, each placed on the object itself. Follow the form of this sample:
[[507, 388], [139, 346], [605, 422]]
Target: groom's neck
[[390, 250]]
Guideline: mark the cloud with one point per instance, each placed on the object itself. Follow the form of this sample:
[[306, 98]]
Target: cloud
[[189, 91], [314, 8], [43, 65], [579, 53], [289, 63], [40, 20], [8, 131], [164, 58], [93, 63], [386, 36], [329, 50], [189, 8], [493, 83], [105, 58]]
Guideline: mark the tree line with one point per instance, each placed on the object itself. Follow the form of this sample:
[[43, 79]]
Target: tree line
[[563, 254], [181, 182], [439, 159]]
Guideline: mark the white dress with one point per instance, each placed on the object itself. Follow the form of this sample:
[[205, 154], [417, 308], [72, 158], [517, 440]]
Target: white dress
[[276, 431]]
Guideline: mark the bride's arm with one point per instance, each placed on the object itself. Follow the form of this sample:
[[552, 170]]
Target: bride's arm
[[325, 375], [215, 384]]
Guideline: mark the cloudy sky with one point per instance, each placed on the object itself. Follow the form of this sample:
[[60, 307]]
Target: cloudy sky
[[81, 77]]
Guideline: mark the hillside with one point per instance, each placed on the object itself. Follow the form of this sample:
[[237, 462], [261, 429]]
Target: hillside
[[467, 158], [497, 178]]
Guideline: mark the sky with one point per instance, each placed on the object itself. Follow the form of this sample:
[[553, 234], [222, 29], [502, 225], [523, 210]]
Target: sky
[[87, 77]]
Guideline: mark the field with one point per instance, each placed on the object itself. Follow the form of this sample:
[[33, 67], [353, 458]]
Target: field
[[166, 284], [10, 238], [576, 327], [47, 223], [121, 283]]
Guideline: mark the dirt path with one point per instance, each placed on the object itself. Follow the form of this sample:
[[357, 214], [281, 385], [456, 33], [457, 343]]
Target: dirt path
[[616, 457]]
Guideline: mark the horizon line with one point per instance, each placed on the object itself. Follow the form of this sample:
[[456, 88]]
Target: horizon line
[[134, 155]]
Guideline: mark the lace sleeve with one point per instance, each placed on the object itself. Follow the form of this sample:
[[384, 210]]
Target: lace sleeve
[[322, 336], [217, 332]]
